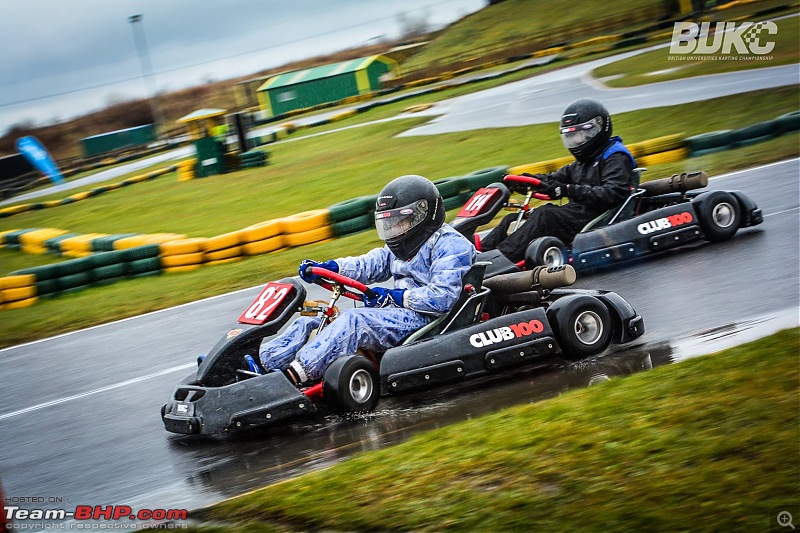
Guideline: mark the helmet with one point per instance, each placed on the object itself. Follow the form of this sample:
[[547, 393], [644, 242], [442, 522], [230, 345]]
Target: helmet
[[585, 128], [407, 212]]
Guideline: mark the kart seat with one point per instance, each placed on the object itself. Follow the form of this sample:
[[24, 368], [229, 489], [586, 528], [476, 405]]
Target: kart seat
[[621, 212], [467, 309]]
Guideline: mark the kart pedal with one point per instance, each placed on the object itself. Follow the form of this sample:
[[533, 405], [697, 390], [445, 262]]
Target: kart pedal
[[251, 365]]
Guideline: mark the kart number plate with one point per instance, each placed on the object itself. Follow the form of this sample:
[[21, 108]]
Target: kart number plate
[[263, 306], [475, 204]]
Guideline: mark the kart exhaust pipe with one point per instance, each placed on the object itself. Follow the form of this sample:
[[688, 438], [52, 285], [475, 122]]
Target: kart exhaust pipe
[[676, 183], [540, 277]]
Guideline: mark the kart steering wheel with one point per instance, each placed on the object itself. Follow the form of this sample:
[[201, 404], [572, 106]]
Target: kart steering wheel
[[328, 279], [528, 181]]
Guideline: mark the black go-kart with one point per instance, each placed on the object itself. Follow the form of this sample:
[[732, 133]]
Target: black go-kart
[[658, 215], [497, 323]]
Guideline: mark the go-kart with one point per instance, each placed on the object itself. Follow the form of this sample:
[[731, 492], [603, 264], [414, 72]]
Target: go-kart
[[658, 215], [496, 324]]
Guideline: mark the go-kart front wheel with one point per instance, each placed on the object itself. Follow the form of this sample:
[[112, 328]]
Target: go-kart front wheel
[[582, 325], [545, 251], [351, 384]]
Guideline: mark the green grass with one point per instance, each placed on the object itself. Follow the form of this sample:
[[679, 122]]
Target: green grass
[[655, 66], [319, 171], [707, 445]]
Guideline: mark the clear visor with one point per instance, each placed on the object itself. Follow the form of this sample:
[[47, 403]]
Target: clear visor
[[397, 222], [574, 136]]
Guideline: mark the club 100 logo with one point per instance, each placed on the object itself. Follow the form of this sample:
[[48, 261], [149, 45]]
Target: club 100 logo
[[728, 39]]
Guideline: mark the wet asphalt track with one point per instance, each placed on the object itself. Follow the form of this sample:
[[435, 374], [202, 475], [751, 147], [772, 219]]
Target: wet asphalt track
[[79, 413]]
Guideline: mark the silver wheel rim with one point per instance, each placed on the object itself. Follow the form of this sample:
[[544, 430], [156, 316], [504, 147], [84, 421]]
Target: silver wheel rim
[[360, 386], [723, 214], [553, 257], [588, 328]]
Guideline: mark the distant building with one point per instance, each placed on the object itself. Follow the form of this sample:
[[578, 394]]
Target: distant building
[[327, 83]]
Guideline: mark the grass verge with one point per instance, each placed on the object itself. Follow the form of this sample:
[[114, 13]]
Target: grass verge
[[320, 171], [707, 445]]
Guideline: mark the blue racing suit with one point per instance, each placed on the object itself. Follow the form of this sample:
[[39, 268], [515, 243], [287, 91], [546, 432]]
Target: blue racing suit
[[432, 279]]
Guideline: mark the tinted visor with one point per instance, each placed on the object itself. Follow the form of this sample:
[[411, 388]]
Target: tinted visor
[[574, 136], [398, 222]]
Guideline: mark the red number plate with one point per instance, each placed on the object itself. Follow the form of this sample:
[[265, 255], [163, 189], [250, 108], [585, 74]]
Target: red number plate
[[475, 204], [262, 307]]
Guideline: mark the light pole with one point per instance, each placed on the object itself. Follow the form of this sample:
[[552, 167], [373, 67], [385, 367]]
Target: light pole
[[147, 72]]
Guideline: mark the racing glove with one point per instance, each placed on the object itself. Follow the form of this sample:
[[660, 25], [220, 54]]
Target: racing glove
[[554, 189], [385, 298], [308, 277]]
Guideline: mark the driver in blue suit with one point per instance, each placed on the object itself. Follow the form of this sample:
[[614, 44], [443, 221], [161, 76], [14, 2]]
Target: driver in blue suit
[[427, 260]]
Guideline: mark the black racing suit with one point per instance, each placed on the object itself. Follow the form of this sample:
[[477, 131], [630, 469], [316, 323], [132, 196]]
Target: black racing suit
[[594, 187]]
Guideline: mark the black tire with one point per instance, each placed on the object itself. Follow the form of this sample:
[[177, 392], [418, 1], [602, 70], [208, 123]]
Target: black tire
[[351, 385], [582, 325], [720, 215], [545, 251]]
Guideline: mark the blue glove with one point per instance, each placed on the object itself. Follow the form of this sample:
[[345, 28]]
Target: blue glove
[[308, 277], [385, 298]]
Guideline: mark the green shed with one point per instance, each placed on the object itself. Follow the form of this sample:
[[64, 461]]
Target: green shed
[[327, 83]]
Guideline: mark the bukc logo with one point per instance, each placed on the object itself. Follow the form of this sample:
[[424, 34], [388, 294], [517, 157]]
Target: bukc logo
[[690, 38]]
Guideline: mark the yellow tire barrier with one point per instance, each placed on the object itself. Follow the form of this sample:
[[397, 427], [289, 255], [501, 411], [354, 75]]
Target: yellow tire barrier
[[542, 167], [225, 253], [305, 221], [263, 246], [182, 246], [19, 304], [14, 209], [19, 293], [195, 258], [343, 115], [33, 249], [37, 237], [17, 281], [78, 196], [261, 231], [665, 143], [310, 236], [4, 233], [80, 243], [220, 242], [670, 156]]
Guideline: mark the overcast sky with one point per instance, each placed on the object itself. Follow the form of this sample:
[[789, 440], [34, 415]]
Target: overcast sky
[[64, 58]]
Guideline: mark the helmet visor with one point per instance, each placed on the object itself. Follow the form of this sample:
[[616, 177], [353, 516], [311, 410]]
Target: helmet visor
[[398, 222], [574, 136]]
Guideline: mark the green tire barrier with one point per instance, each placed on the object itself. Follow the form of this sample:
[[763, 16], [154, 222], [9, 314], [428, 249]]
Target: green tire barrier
[[452, 202], [148, 266], [353, 225], [12, 238], [253, 158], [53, 245], [448, 186], [789, 122], [146, 251], [106, 244], [713, 140], [753, 133], [352, 208], [482, 178]]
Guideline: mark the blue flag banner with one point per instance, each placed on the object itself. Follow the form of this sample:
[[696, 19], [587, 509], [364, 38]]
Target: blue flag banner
[[39, 157]]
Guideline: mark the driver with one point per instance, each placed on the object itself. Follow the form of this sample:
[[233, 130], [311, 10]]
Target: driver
[[600, 178], [425, 257]]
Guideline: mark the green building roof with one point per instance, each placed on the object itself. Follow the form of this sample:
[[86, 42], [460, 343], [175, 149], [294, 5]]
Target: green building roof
[[324, 71]]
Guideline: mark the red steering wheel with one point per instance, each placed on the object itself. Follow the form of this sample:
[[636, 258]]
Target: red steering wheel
[[530, 181], [328, 279]]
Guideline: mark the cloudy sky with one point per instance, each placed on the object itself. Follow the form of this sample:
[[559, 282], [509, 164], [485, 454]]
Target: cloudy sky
[[64, 58]]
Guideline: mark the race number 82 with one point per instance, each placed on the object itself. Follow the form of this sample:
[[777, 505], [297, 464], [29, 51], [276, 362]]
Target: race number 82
[[262, 307]]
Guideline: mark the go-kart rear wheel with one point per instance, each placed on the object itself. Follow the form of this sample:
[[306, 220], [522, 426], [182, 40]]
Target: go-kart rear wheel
[[582, 325], [351, 384], [545, 251], [719, 216]]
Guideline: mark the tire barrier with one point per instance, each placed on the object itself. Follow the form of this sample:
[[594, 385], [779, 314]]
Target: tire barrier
[[656, 145], [481, 178], [77, 197], [182, 255], [253, 159], [670, 156], [18, 290]]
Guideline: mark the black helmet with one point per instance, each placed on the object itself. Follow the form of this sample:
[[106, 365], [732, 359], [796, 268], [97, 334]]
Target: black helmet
[[585, 128], [408, 211]]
